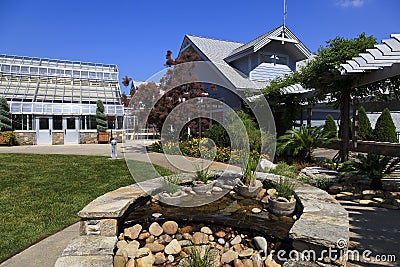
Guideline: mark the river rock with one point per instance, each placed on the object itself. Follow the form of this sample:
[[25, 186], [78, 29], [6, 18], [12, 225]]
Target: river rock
[[150, 239], [187, 236], [130, 263], [155, 229], [132, 248], [257, 261], [261, 194], [170, 227], [164, 239], [185, 229], [119, 261], [133, 232], [173, 247], [171, 258], [206, 230], [246, 252], [236, 240], [159, 258], [247, 263], [217, 189], [220, 233], [121, 243], [141, 252], [144, 235], [256, 210], [229, 256], [261, 243], [270, 262], [154, 247], [146, 261], [221, 241], [199, 238], [157, 215], [238, 263]]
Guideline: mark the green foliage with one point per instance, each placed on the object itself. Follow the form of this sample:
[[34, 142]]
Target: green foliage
[[35, 203], [284, 169], [330, 128], [301, 143], [249, 168], [285, 188], [323, 183], [101, 118], [385, 130], [219, 135], [10, 138], [202, 174], [364, 125], [5, 122], [374, 166], [200, 258], [170, 184]]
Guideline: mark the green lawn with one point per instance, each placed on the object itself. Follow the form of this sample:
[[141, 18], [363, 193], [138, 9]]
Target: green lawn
[[41, 194]]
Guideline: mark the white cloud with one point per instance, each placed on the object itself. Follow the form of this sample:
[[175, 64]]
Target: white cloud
[[350, 3]]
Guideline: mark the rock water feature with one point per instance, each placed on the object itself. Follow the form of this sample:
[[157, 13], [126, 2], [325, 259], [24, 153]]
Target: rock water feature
[[129, 227], [235, 230]]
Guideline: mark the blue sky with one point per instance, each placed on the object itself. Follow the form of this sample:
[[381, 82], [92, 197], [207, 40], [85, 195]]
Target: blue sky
[[136, 34]]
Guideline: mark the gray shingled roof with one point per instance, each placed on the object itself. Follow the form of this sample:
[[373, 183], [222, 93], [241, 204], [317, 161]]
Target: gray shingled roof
[[216, 51]]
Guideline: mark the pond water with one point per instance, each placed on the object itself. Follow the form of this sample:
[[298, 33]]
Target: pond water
[[230, 210]]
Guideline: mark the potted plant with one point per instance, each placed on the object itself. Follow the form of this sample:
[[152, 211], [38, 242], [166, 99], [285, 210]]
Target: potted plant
[[283, 201], [171, 193], [248, 185], [202, 182], [102, 135]]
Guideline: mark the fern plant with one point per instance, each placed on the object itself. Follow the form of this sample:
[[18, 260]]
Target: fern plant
[[302, 142], [374, 166]]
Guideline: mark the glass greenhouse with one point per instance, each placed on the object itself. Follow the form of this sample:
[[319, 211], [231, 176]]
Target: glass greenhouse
[[54, 101]]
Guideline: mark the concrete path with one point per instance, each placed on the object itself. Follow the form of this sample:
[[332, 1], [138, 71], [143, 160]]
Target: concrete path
[[45, 252]]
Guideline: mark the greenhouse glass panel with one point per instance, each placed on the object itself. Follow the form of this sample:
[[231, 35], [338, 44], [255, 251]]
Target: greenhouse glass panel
[[34, 70], [27, 108]]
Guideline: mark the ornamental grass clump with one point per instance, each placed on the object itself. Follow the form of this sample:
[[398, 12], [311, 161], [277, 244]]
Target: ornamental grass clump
[[170, 184], [200, 258], [285, 188]]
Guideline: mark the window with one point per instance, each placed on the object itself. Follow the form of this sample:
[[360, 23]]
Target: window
[[88, 122], [42, 71], [22, 122], [71, 123], [25, 69], [273, 58], [5, 68], [34, 70], [44, 124], [57, 123]]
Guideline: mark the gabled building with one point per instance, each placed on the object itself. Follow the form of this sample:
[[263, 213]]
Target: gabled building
[[54, 101], [252, 65]]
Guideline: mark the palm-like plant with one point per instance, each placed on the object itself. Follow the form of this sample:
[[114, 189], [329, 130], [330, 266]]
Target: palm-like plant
[[374, 166], [301, 143]]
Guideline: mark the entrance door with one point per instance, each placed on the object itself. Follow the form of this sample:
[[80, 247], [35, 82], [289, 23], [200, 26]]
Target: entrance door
[[71, 130], [44, 127]]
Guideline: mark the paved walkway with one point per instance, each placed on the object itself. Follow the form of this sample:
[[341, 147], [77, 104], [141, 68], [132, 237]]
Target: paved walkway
[[371, 228]]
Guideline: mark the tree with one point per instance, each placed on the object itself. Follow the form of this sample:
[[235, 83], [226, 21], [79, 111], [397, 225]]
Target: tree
[[101, 118], [322, 74], [364, 125], [5, 122], [330, 129], [385, 130], [219, 135]]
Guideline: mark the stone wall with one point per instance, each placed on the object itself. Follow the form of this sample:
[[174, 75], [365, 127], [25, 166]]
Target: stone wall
[[88, 138], [57, 137], [118, 135], [26, 137]]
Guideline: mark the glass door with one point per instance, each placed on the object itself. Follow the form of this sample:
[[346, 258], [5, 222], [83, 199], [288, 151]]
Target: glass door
[[71, 130], [44, 127]]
